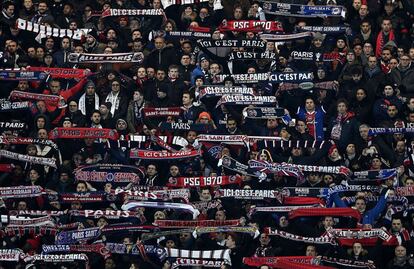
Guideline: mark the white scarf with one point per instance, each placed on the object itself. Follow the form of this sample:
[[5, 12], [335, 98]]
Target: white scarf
[[82, 105], [114, 100]]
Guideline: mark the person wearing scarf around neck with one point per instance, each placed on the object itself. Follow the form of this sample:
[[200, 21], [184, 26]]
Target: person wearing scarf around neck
[[344, 126], [134, 116], [381, 105]]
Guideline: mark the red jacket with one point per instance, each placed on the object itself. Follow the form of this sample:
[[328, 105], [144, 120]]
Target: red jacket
[[65, 95]]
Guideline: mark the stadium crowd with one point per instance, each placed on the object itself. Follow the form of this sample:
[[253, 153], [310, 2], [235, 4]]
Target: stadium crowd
[[201, 134]]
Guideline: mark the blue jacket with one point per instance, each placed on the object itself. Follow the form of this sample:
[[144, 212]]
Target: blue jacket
[[318, 121], [370, 216]]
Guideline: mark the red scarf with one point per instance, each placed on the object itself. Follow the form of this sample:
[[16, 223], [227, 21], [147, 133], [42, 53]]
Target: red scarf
[[381, 42], [320, 212]]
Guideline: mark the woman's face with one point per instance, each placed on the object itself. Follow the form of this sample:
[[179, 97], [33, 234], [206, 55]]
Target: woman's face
[[67, 124], [340, 44], [168, 27], [360, 95], [388, 91], [263, 157], [188, 10], [33, 175]]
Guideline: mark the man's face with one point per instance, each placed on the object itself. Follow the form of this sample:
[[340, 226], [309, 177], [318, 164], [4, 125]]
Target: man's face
[[67, 10], [309, 105], [10, 11], [90, 39], [220, 215], [357, 4], [388, 91], [405, 61], [231, 125], [73, 107], [54, 87], [411, 54], [150, 72], [151, 170], [392, 111], [65, 43], [191, 136], [365, 27], [400, 251], [23, 85], [328, 222], [81, 187], [205, 64], [400, 147], [186, 48], [386, 26], [42, 8], [311, 251], [185, 60], [363, 10], [367, 49], [372, 62], [174, 171], [160, 75], [116, 87], [386, 55], [31, 52], [186, 99], [96, 118], [159, 43], [396, 225], [12, 47], [205, 195], [173, 73], [214, 69]]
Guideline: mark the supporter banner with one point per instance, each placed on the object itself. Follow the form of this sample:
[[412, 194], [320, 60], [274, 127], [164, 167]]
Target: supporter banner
[[383, 174], [324, 29], [133, 57], [26, 231], [244, 78], [36, 212], [291, 143], [22, 75], [58, 258], [247, 100], [173, 206], [232, 164], [297, 200], [263, 112], [10, 255], [320, 212], [82, 132], [249, 55], [221, 254], [162, 155], [360, 233], [45, 31], [312, 56], [299, 238], [179, 262], [405, 191], [218, 91], [61, 72], [346, 263], [292, 10], [288, 37], [251, 26], [116, 173], [165, 195], [187, 34], [195, 223], [26, 158], [228, 229], [167, 3], [291, 77], [230, 43], [249, 194], [325, 85], [132, 12], [18, 126], [27, 141], [150, 112], [182, 126], [226, 139], [283, 169], [159, 234], [279, 209], [20, 192], [109, 214], [84, 197], [140, 141], [6, 167], [47, 98], [7, 106], [340, 170], [306, 192], [94, 248], [206, 205], [181, 182], [45, 221], [376, 131], [286, 262]]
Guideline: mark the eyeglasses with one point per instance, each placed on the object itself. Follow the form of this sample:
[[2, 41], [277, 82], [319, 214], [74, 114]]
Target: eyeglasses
[[115, 85]]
